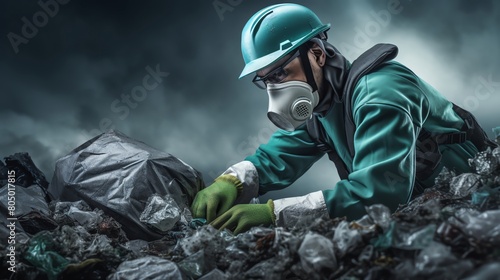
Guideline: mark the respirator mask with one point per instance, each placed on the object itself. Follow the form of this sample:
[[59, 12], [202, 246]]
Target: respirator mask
[[291, 103]]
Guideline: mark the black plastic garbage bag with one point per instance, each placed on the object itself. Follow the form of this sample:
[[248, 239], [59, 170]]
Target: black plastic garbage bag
[[27, 200], [118, 175], [25, 172], [24, 192]]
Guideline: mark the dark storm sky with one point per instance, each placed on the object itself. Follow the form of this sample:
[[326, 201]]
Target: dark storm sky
[[60, 84]]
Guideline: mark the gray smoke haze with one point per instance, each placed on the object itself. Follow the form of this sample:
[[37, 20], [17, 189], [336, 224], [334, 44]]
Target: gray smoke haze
[[65, 81]]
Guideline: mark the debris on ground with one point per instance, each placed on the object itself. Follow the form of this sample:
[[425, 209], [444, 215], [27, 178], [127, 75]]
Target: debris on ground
[[451, 231]]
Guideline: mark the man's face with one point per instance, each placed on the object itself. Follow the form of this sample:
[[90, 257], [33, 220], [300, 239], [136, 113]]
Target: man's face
[[293, 69]]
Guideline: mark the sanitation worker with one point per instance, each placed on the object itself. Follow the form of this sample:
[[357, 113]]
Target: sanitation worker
[[388, 132]]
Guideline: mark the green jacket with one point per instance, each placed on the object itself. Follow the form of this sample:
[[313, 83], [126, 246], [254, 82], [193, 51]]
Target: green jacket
[[389, 107]]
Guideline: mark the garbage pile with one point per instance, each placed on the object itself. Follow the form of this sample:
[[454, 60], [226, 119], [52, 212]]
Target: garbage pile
[[451, 231]]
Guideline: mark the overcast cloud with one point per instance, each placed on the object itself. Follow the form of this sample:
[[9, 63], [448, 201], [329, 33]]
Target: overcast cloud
[[65, 82]]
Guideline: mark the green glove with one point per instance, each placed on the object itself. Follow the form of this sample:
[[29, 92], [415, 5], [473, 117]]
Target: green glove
[[217, 198], [242, 217]]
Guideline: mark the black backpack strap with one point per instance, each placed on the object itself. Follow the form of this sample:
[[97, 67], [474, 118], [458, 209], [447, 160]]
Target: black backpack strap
[[428, 155], [317, 133], [365, 63], [472, 131]]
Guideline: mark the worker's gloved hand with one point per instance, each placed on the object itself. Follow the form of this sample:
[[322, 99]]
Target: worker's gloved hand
[[217, 198], [242, 217]]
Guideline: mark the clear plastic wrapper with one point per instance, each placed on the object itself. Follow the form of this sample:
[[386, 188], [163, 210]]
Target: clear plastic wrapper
[[406, 237], [41, 254], [317, 255], [197, 264], [480, 197], [150, 267], [484, 163], [437, 262], [79, 212], [345, 239], [380, 215], [199, 240], [161, 213], [484, 227], [444, 177], [215, 274], [138, 246], [268, 269], [464, 184]]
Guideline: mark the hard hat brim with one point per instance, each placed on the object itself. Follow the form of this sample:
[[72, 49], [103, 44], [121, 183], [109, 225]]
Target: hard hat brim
[[263, 62]]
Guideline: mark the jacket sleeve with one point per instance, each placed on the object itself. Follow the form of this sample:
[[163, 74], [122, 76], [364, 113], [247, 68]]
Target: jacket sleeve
[[284, 159], [276, 165], [383, 169]]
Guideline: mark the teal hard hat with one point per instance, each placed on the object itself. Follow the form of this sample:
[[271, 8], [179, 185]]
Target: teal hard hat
[[276, 31]]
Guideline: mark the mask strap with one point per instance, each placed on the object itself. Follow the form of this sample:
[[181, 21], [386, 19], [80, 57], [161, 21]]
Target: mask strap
[[306, 65]]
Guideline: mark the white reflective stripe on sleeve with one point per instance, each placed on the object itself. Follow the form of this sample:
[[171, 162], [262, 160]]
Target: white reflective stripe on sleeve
[[246, 172], [292, 211]]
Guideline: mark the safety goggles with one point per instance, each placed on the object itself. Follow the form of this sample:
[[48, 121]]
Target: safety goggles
[[275, 76]]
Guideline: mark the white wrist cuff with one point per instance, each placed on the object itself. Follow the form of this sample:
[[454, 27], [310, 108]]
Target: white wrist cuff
[[246, 172], [293, 211]]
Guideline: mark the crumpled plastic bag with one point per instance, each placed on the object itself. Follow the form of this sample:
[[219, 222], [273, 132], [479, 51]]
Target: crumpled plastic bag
[[215, 274], [484, 163], [161, 213], [117, 174], [27, 200], [150, 267], [483, 227], [406, 237], [346, 239], [198, 240], [40, 254], [26, 172], [434, 262], [30, 190], [380, 215], [77, 211], [316, 254], [464, 184]]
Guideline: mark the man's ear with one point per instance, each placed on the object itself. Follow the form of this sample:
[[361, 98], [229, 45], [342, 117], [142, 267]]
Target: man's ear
[[319, 54]]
